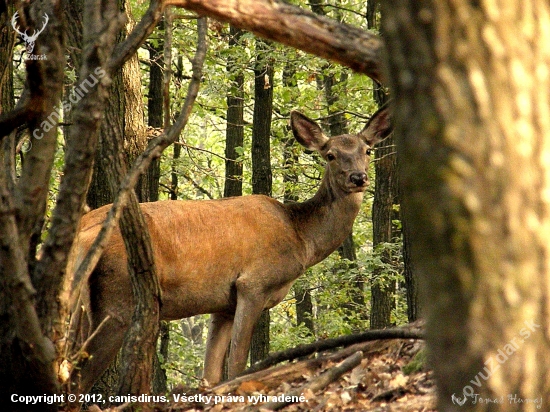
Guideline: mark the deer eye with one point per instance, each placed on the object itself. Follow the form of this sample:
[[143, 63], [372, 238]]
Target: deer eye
[[330, 156], [369, 152]]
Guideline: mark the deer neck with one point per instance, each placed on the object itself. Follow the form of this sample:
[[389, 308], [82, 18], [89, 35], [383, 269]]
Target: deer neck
[[325, 220]]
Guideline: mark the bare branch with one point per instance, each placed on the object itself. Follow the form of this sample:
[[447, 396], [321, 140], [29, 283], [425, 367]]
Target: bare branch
[[321, 345], [319, 382]]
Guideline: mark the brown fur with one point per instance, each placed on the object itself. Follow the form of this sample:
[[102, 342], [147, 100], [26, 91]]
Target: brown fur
[[230, 257]]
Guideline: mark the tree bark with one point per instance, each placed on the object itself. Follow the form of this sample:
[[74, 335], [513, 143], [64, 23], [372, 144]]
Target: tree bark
[[471, 122], [234, 135], [383, 215], [261, 165], [154, 111]]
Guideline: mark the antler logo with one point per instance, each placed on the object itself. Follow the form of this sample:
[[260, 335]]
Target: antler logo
[[28, 39]]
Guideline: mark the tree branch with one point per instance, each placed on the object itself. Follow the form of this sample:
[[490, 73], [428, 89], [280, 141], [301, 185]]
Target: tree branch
[[304, 350], [299, 28], [319, 382], [126, 49]]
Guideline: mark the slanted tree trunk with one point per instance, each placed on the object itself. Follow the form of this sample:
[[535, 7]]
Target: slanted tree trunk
[[470, 83], [123, 133], [261, 165]]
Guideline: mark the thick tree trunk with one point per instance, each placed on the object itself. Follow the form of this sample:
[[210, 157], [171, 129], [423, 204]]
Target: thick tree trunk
[[471, 83]]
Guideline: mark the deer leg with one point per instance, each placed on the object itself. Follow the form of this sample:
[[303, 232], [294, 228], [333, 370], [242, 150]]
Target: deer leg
[[102, 348], [219, 334], [249, 308]]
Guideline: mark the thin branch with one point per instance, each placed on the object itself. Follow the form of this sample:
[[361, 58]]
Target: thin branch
[[89, 340], [188, 146], [153, 151], [197, 186]]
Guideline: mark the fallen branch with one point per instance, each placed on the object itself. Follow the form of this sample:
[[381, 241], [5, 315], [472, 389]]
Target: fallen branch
[[274, 376], [320, 382], [304, 350]]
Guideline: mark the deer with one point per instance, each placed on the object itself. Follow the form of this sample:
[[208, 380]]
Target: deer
[[231, 257], [26, 38]]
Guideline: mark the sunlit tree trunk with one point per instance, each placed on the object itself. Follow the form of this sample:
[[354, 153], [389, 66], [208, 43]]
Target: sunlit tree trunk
[[470, 82]]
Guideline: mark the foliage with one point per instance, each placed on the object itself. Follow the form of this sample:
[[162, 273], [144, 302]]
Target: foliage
[[417, 363], [201, 166], [185, 358]]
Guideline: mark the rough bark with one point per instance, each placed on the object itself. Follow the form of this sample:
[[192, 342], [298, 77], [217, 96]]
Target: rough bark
[[234, 135], [261, 165], [155, 111], [471, 94], [383, 215], [7, 99]]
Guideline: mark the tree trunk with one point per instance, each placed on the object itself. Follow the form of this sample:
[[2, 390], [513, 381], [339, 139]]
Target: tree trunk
[[154, 111], [470, 84], [383, 215], [123, 133], [385, 196], [7, 98], [234, 136], [261, 165], [302, 293], [155, 119]]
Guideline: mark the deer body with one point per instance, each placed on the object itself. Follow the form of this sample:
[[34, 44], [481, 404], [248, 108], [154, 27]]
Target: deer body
[[231, 257]]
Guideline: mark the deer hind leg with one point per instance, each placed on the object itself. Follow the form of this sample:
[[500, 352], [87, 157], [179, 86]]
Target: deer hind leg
[[219, 334], [101, 348], [250, 304], [107, 318]]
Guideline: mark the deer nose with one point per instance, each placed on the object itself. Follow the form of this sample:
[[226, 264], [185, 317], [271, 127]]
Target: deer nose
[[358, 178]]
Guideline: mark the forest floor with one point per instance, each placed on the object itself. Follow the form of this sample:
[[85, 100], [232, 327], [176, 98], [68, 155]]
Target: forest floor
[[379, 375]]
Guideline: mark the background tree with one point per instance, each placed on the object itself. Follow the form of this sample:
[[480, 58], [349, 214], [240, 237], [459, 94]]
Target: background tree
[[261, 165], [384, 210], [234, 139]]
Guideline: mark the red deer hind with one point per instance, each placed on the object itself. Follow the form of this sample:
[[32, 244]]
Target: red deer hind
[[231, 257]]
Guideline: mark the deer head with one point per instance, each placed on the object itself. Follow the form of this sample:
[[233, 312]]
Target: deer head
[[29, 40]]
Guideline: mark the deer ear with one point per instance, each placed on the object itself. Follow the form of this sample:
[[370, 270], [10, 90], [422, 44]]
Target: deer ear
[[378, 127], [307, 132]]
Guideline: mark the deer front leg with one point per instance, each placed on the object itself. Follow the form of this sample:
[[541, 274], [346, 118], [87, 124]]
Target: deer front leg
[[219, 334], [249, 308]]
